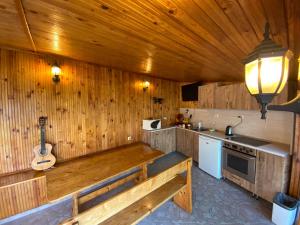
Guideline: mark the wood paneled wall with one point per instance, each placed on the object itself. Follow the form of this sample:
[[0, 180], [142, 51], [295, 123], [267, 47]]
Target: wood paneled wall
[[294, 189], [93, 108]]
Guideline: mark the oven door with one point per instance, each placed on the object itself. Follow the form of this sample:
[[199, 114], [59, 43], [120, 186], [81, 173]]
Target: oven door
[[240, 164]]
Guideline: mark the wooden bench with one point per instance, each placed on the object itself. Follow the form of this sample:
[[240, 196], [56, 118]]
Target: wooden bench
[[134, 204], [31, 189]]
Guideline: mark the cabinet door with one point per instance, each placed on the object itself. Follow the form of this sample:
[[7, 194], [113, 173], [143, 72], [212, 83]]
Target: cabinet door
[[206, 95], [271, 175], [180, 140], [220, 98], [189, 143], [164, 140], [146, 137], [243, 99], [167, 141], [196, 147], [155, 140]]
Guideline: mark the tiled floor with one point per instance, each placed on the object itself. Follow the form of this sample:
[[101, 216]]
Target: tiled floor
[[214, 202]]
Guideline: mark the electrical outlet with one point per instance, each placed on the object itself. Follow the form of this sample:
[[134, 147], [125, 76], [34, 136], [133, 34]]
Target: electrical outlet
[[129, 138], [165, 118], [241, 116]]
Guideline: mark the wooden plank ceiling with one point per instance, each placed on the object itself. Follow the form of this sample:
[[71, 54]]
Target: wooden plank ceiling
[[184, 40]]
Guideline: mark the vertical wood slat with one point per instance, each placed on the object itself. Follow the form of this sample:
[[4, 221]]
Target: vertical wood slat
[[22, 196], [93, 108], [294, 189]]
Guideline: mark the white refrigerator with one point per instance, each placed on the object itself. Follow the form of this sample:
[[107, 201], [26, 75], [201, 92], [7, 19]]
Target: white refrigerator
[[210, 156]]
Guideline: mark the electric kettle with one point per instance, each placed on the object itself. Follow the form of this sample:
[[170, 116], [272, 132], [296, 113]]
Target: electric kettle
[[229, 131]]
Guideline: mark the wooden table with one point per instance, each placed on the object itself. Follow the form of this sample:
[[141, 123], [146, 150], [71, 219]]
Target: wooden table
[[76, 175], [70, 178]]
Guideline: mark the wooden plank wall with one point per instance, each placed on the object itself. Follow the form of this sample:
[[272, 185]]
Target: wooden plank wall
[[93, 108], [22, 196], [294, 189]]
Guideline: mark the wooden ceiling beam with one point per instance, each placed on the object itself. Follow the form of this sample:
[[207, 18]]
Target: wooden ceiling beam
[[20, 9]]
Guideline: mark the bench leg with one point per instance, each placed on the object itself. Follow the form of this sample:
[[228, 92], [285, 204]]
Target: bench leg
[[75, 205], [143, 174], [184, 198]]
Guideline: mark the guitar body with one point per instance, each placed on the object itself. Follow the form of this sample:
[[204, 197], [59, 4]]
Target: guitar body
[[43, 158], [43, 161]]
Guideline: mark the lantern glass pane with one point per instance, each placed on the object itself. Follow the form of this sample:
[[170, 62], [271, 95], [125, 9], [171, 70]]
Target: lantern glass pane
[[270, 74], [251, 77], [285, 74]]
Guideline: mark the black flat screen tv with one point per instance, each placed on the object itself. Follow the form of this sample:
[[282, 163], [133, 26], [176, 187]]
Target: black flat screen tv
[[189, 92]]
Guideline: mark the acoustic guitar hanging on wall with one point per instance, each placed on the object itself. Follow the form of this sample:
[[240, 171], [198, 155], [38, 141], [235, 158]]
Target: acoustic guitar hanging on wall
[[43, 157]]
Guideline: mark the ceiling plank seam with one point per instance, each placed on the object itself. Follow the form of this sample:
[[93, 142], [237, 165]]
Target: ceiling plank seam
[[20, 9]]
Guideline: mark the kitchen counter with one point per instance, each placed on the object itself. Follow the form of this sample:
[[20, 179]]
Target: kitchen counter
[[163, 128], [274, 148]]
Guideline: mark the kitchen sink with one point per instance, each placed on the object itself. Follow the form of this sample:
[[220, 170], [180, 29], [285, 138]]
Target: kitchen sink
[[201, 129]]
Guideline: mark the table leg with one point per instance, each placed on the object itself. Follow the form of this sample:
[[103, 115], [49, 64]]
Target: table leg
[[184, 198]]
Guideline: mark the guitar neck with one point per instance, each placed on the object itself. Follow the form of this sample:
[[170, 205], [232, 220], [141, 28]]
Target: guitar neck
[[43, 141]]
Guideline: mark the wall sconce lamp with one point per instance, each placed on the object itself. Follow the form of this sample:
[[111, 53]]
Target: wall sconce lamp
[[266, 70], [146, 85], [56, 71], [291, 106]]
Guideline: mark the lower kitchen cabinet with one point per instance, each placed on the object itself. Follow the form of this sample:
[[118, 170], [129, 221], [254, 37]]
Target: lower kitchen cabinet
[[180, 140], [187, 142], [272, 175], [196, 147], [164, 140], [272, 172], [184, 142]]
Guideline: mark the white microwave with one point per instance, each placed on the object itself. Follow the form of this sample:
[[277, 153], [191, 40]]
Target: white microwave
[[151, 124]]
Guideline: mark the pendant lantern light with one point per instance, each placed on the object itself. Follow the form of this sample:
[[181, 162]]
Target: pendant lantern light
[[266, 70]]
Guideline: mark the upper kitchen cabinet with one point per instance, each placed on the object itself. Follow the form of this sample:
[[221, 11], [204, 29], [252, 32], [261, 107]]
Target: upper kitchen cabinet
[[235, 96], [207, 96]]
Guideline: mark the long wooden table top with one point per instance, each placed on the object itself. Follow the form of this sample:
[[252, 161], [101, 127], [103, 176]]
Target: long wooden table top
[[73, 176]]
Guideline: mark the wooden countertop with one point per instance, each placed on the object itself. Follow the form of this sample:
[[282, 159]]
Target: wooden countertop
[[73, 176], [273, 148]]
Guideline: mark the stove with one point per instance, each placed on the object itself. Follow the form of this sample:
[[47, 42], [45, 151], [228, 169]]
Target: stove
[[239, 148], [247, 140], [239, 159]]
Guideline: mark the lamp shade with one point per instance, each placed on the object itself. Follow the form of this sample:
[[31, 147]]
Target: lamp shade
[[266, 70], [55, 70]]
